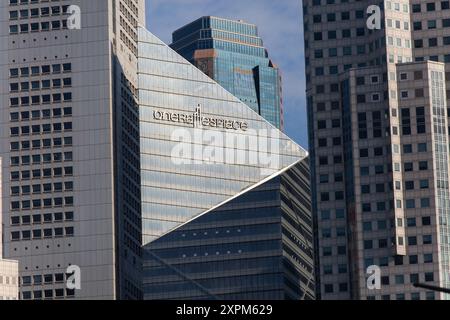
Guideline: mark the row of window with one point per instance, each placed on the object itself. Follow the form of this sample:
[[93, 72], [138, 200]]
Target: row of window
[[27, 175], [384, 243], [40, 114], [41, 188], [8, 280], [50, 172], [41, 99], [38, 85], [40, 70], [42, 203], [39, 280], [431, 24], [22, 2], [430, 6], [409, 204], [35, 234], [40, 144], [344, 33], [48, 294], [381, 187], [379, 151], [322, 124], [46, 158], [36, 129], [57, 217], [38, 26], [398, 260], [395, 6], [344, 16], [432, 42], [326, 215], [343, 287], [410, 222], [37, 12]]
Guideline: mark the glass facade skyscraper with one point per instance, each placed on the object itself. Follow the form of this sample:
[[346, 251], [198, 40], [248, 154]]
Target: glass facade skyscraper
[[257, 246], [221, 188], [232, 53]]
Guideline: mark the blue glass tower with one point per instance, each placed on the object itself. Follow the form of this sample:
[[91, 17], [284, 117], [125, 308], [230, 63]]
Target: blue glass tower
[[232, 53]]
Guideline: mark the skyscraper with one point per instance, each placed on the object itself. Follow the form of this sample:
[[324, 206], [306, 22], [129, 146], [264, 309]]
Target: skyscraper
[[112, 140], [378, 126], [9, 269], [233, 54], [70, 144], [225, 195]]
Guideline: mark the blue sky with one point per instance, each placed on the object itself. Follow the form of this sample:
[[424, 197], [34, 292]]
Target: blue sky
[[279, 25]]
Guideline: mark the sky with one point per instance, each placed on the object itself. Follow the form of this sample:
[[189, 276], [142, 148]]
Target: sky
[[280, 25]]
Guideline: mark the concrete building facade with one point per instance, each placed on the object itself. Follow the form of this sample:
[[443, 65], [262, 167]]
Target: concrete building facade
[[377, 111]]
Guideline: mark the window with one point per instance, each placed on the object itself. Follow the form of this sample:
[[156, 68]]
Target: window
[[325, 214], [364, 171], [412, 241], [432, 42], [367, 226], [328, 288], [328, 269], [67, 67], [410, 204], [399, 279], [363, 153], [422, 147], [431, 24], [424, 184], [407, 148], [428, 258], [409, 185], [427, 239]]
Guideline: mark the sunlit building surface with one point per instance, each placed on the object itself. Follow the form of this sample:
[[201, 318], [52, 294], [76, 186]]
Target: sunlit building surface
[[378, 125], [69, 139]]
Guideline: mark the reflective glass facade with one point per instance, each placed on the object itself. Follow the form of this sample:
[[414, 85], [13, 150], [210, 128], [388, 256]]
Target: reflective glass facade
[[232, 53], [187, 170], [213, 167], [257, 246]]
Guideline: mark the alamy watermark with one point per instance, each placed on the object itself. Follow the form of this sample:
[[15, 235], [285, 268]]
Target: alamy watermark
[[374, 20], [374, 277], [202, 146], [73, 273]]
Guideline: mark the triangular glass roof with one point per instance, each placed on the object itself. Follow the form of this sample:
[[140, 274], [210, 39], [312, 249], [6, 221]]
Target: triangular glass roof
[[200, 145]]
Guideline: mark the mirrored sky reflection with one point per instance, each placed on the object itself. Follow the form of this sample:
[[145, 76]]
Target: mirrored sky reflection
[[279, 25]]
